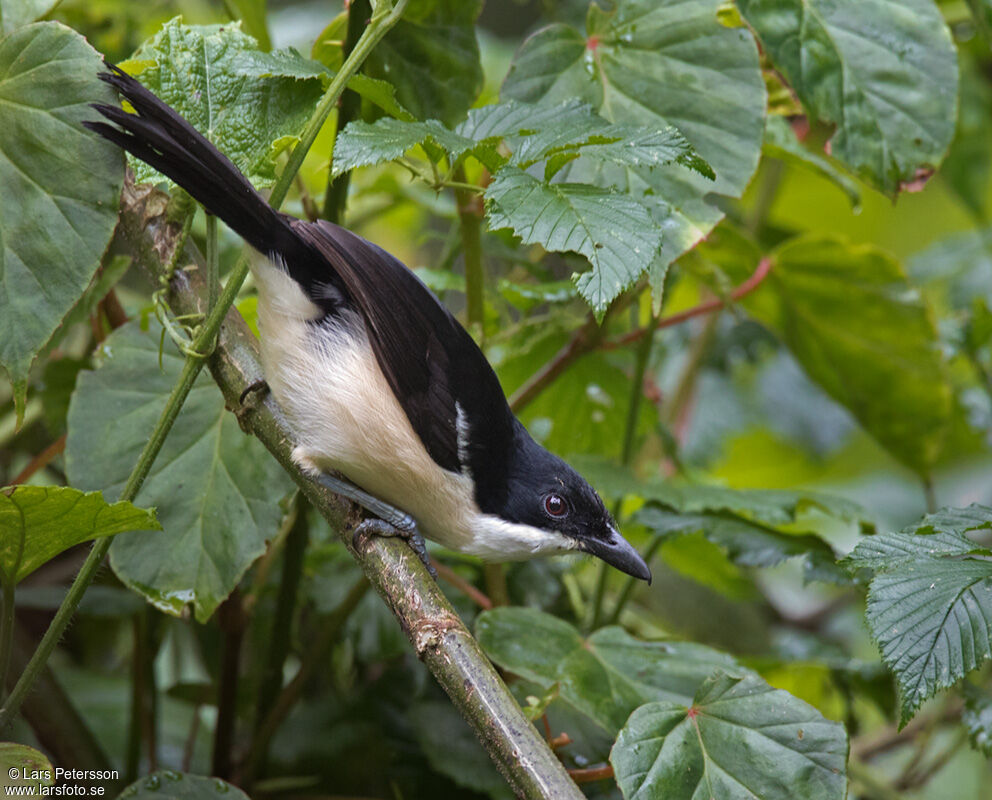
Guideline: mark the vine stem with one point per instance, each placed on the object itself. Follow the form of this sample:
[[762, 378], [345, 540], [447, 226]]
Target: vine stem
[[378, 26]]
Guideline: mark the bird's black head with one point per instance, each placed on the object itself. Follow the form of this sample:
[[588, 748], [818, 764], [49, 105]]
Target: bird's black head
[[546, 493]]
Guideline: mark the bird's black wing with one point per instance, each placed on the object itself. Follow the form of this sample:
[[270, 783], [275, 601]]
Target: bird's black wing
[[431, 362]]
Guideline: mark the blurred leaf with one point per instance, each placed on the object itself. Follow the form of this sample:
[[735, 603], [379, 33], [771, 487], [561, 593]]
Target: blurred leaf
[[108, 602], [658, 63], [969, 163], [228, 484], [886, 76], [208, 73], [21, 765], [453, 750], [39, 522], [526, 296], [180, 786], [252, 14], [431, 56], [17, 13], [55, 387], [613, 231], [605, 676], [977, 718], [54, 170], [737, 738], [860, 330], [960, 265], [362, 144], [781, 142], [328, 47], [930, 602]]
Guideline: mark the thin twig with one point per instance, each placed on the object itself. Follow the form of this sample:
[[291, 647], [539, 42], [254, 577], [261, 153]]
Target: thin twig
[[448, 574], [591, 775], [40, 461]]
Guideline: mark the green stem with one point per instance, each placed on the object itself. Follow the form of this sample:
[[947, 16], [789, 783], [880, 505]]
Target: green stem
[[213, 270], [626, 454], [630, 583], [930, 494], [378, 27], [475, 277], [336, 195], [6, 628], [231, 618]]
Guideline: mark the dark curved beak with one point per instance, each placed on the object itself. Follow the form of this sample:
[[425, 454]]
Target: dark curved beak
[[618, 552]]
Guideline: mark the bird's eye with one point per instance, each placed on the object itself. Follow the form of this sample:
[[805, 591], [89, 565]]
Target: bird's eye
[[555, 505]]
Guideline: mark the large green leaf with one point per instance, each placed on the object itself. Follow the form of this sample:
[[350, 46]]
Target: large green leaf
[[21, 765], [39, 522], [61, 186], [781, 142], [738, 738], [15, 13], [863, 333], [884, 73], [431, 56], [216, 489], [239, 100], [612, 230], [605, 676], [930, 602], [658, 63], [167, 783]]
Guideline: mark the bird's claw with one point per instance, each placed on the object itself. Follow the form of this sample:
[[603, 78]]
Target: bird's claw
[[404, 529]]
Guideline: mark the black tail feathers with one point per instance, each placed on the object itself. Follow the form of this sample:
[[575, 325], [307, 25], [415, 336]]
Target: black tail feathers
[[160, 137]]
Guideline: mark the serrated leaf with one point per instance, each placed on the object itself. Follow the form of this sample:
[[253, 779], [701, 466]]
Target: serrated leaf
[[362, 144], [39, 522], [738, 739], [605, 676], [217, 489], [658, 63], [885, 74], [977, 718], [862, 332], [51, 169], [781, 142], [431, 56], [167, 783], [613, 231], [215, 76], [21, 765], [932, 621]]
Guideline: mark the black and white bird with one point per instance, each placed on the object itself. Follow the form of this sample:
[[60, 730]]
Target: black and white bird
[[379, 382]]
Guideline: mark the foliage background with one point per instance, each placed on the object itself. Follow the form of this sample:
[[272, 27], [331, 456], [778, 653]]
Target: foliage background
[[738, 399]]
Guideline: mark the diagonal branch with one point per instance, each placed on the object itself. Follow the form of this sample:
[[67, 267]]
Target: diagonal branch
[[439, 637]]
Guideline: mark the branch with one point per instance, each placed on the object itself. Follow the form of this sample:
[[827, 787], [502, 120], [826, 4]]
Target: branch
[[590, 337], [438, 636]]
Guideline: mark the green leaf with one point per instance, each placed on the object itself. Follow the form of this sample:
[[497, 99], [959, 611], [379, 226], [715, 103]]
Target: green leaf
[[17, 13], [21, 765], [781, 142], [605, 676], [863, 333], [977, 718], [252, 14], [453, 750], [237, 96], [180, 786], [930, 602], [216, 489], [431, 56], [658, 63], [739, 738], [362, 144], [39, 522], [885, 74], [51, 169], [612, 230]]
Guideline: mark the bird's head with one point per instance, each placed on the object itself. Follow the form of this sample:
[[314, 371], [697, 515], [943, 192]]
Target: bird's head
[[547, 494]]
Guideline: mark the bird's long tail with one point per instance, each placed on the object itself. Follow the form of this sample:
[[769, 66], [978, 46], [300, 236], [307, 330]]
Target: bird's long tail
[[159, 136]]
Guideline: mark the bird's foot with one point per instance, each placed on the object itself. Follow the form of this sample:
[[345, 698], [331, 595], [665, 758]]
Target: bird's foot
[[248, 401], [379, 527], [391, 521]]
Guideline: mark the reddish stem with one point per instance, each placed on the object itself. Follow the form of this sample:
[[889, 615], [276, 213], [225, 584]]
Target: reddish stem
[[42, 460], [591, 775], [466, 588]]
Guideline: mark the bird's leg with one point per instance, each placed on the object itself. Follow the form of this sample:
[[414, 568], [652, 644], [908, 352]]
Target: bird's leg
[[391, 521]]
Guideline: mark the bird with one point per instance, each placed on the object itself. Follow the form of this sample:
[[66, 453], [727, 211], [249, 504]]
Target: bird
[[376, 378]]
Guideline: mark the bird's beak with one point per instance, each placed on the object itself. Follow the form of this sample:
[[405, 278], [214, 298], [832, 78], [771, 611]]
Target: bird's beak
[[618, 552]]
